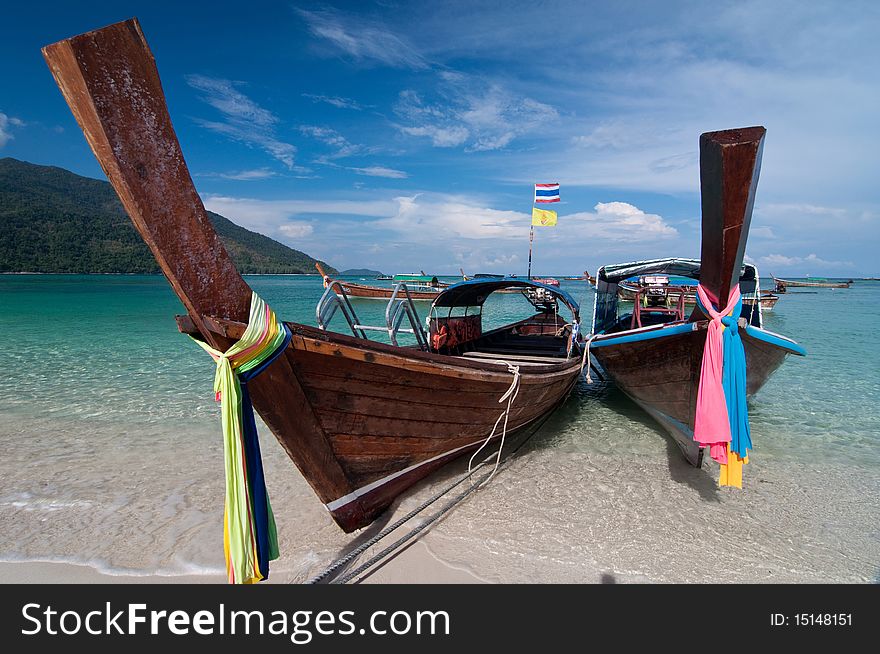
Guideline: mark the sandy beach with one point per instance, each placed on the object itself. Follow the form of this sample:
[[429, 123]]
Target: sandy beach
[[625, 511]]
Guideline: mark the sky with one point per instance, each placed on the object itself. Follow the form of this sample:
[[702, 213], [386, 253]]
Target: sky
[[406, 136]]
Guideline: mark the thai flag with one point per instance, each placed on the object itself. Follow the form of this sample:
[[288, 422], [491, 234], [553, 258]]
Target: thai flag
[[546, 193]]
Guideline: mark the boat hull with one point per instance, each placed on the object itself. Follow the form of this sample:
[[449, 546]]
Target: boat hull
[[796, 284], [660, 370], [364, 421], [365, 292]]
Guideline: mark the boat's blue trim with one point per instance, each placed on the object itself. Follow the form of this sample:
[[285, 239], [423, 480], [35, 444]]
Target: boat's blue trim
[[774, 339], [635, 335]]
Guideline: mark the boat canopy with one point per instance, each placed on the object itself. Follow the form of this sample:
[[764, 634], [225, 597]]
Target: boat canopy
[[420, 279], [473, 293], [619, 272]]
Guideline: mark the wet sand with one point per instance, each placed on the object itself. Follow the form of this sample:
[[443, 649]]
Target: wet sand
[[555, 514]]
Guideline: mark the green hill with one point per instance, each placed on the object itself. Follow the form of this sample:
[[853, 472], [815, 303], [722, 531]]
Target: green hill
[[54, 221], [365, 272]]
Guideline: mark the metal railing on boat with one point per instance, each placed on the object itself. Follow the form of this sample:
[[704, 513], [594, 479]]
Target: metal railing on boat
[[335, 298]]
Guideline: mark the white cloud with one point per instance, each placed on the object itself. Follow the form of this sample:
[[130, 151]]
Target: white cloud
[[469, 110], [341, 103], [244, 175], [380, 171], [778, 259], [244, 120], [362, 41], [761, 232], [296, 230], [801, 209], [441, 137], [444, 232], [810, 260], [621, 221], [6, 125], [450, 217], [334, 139], [266, 216]]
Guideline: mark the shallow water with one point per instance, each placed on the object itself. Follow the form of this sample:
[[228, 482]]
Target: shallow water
[[113, 455]]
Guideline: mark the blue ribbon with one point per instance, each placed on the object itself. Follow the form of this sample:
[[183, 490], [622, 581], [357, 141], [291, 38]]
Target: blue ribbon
[[264, 522]]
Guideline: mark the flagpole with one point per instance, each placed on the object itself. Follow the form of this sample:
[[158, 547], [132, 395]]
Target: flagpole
[[531, 238]]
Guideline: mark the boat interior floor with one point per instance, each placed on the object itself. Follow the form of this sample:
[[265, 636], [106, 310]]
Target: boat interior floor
[[527, 349]]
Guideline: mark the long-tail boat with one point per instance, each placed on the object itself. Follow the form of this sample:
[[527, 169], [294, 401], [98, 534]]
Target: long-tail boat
[[655, 354], [417, 291], [810, 283], [484, 276], [362, 420]]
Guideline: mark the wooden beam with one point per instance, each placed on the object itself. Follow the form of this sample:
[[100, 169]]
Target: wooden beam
[[110, 81], [730, 163]]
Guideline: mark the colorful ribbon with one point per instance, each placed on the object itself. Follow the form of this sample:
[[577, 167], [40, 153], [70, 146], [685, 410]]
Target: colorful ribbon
[[722, 417], [249, 535]]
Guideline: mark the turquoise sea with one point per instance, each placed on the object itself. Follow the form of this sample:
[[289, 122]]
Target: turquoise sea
[[112, 453]]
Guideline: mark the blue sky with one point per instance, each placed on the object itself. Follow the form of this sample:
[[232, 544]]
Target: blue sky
[[408, 135]]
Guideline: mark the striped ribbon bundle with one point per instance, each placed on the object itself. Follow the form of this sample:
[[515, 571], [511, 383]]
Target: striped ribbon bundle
[[722, 417], [249, 536]]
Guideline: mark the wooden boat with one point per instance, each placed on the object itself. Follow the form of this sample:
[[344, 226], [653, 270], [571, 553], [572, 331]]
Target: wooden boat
[[656, 289], [503, 290], [768, 300], [586, 277], [654, 354], [363, 421], [365, 292], [549, 281], [808, 283], [420, 279]]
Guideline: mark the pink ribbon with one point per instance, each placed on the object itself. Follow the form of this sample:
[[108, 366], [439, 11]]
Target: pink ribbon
[[711, 423]]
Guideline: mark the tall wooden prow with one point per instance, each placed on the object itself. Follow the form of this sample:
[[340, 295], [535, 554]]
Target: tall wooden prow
[[109, 79], [730, 163]]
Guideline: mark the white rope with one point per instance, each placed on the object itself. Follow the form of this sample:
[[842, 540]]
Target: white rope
[[585, 361], [510, 396]]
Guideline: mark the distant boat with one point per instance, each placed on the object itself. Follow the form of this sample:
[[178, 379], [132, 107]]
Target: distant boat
[[384, 278], [586, 277], [808, 283], [417, 290], [420, 279], [654, 351], [548, 281], [509, 290]]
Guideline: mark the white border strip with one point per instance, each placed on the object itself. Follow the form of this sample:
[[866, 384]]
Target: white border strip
[[363, 490]]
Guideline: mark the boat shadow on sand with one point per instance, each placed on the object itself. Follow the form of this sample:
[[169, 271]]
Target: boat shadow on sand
[[681, 472], [544, 436], [541, 436]]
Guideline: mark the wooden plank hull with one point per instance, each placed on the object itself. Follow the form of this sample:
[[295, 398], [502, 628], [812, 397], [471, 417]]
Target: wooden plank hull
[[662, 375], [363, 291], [387, 417], [768, 301]]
